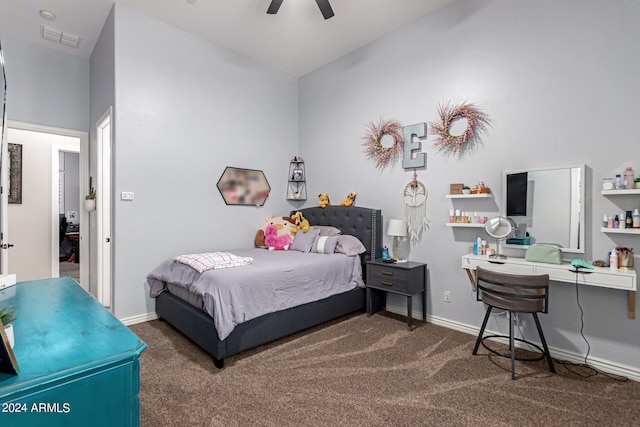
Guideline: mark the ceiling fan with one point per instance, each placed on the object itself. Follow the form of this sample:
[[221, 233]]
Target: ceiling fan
[[324, 6]]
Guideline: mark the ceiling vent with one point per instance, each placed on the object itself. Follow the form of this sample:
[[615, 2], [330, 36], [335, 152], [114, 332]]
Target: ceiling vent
[[56, 36]]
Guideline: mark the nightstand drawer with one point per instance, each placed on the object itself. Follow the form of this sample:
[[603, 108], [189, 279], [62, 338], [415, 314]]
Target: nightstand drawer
[[390, 283], [388, 272]]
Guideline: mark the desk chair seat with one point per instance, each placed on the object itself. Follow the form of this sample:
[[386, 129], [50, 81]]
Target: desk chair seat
[[516, 294]]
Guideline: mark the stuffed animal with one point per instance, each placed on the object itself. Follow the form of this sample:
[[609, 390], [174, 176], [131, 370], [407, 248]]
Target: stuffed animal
[[351, 198], [301, 222], [324, 200], [284, 225], [274, 241]]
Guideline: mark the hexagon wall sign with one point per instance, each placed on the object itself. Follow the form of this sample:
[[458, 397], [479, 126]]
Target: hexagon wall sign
[[243, 186]]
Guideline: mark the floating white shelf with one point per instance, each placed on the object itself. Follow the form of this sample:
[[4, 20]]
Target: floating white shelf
[[472, 196], [620, 192], [620, 230], [463, 224]]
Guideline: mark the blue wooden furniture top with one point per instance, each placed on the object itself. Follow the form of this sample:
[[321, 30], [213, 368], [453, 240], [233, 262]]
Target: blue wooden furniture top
[[61, 331]]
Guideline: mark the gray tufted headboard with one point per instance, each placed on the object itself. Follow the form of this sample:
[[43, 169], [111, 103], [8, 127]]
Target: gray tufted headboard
[[363, 223]]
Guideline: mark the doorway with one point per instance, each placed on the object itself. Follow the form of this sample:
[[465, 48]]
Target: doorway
[[34, 224]]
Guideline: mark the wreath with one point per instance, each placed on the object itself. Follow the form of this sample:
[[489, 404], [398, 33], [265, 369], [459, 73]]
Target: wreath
[[459, 145], [384, 156]]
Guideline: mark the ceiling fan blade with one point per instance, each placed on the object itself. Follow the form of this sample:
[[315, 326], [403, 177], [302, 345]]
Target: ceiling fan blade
[[325, 8], [274, 6]]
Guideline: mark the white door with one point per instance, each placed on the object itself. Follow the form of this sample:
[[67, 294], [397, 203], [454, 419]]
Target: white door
[[103, 209]]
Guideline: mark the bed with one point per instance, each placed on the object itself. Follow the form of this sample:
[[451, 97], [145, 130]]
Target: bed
[[182, 312]]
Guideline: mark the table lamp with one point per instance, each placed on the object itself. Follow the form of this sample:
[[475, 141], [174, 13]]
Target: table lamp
[[398, 229]]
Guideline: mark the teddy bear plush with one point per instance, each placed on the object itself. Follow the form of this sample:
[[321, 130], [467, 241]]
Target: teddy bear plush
[[351, 198], [275, 242], [284, 225], [301, 222], [324, 200]]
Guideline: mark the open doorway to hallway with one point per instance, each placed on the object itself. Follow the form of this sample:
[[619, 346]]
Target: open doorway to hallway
[[69, 205], [34, 225]]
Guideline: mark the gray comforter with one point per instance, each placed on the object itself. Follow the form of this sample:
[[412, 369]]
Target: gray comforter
[[276, 280]]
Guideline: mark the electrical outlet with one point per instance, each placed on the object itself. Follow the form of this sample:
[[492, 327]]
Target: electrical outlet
[[447, 296]]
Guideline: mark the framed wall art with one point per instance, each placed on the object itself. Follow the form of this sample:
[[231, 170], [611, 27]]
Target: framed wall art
[[15, 173], [243, 187]]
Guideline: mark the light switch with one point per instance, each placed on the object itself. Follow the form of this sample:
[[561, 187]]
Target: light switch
[[127, 195]]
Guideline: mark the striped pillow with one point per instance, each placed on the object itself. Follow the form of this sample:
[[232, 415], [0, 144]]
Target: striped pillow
[[324, 244]]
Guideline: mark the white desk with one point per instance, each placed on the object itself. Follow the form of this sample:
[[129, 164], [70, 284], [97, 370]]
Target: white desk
[[602, 277]]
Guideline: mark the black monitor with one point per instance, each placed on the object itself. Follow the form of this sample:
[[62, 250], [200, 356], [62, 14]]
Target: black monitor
[[517, 194]]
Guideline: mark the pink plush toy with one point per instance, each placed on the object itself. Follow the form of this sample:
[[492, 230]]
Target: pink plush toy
[[275, 242]]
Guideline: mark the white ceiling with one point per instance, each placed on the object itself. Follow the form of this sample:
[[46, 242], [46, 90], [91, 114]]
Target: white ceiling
[[297, 40]]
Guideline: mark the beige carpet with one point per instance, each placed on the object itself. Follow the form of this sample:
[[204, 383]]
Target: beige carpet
[[363, 371], [70, 269]]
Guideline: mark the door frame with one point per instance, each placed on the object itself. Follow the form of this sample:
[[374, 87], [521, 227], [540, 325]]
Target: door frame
[[84, 184], [104, 190]]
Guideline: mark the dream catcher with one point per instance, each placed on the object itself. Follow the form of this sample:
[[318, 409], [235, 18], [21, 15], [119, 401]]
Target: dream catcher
[[415, 199]]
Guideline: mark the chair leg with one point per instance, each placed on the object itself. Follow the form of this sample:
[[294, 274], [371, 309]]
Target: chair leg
[[484, 325], [544, 344], [512, 346]]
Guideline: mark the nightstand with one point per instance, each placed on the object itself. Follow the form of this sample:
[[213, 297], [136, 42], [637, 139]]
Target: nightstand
[[406, 278]]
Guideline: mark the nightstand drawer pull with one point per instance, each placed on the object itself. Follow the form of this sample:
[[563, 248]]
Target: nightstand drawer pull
[[387, 273], [384, 282]]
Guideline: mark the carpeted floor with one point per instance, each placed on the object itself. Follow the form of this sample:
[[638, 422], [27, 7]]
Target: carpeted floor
[[70, 269], [362, 371]]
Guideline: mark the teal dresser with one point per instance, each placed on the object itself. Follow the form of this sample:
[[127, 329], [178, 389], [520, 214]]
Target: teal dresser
[[79, 365]]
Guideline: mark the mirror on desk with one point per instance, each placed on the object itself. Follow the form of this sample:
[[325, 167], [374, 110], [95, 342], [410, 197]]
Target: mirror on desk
[[550, 201]]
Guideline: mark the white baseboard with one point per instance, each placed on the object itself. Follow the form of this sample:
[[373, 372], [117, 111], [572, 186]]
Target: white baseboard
[[560, 354], [128, 321]]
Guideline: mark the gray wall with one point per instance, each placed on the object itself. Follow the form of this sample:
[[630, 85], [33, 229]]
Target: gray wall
[[46, 87], [560, 83], [185, 109]]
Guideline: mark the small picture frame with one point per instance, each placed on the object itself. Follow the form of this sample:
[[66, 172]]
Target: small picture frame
[[8, 362], [15, 173], [297, 175]]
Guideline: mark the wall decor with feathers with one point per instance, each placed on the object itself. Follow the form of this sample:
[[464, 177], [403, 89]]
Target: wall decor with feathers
[[415, 198]]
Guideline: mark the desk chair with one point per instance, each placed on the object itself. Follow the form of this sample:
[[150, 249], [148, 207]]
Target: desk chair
[[516, 294]]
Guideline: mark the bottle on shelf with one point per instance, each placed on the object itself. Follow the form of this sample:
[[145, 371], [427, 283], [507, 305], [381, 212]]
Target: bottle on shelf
[[636, 218], [619, 185], [629, 178]]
